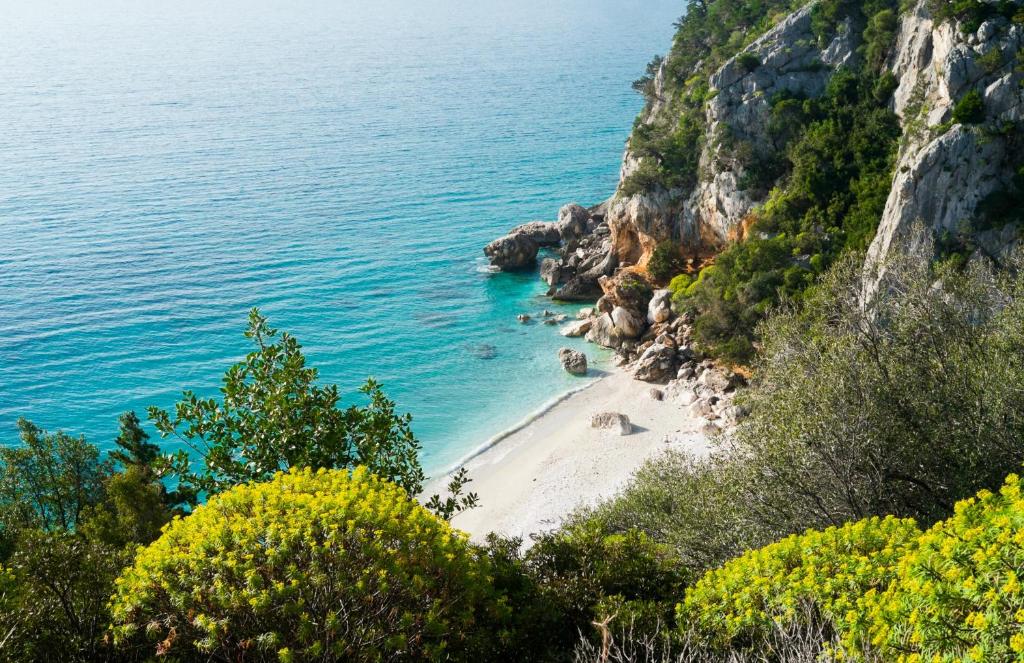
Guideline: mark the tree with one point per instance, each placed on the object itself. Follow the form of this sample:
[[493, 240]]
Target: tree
[[272, 415], [49, 480]]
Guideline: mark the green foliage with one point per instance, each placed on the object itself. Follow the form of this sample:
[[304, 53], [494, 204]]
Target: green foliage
[[816, 581], [132, 511], [957, 596], [841, 168], [680, 283], [970, 109], [326, 564], [53, 599], [899, 407], [711, 32], [748, 62], [690, 505], [645, 84], [48, 481], [972, 13], [273, 416], [666, 262], [569, 580]]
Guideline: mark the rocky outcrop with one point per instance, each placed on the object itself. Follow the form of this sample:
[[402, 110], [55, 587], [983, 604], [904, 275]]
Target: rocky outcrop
[[787, 60], [513, 251], [659, 363], [574, 362], [945, 170]]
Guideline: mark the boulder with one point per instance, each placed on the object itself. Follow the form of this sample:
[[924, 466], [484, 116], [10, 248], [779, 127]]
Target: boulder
[[550, 271], [627, 323], [577, 329], [572, 223], [572, 361], [542, 232], [582, 288], [659, 363], [523, 318], [587, 312], [602, 332], [612, 421], [656, 394], [604, 305], [512, 252], [660, 307]]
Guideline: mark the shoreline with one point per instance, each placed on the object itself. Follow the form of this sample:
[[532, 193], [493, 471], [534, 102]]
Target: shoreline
[[533, 475]]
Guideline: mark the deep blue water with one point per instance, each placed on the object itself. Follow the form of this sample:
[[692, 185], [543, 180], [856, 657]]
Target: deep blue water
[[165, 166]]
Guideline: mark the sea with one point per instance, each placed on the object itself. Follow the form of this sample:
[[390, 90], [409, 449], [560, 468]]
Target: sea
[[166, 166]]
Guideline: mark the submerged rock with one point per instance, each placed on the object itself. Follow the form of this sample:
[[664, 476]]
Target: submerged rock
[[612, 421], [573, 362]]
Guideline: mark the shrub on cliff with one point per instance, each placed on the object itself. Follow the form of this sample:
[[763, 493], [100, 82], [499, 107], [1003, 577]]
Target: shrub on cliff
[[666, 261], [312, 565], [957, 596]]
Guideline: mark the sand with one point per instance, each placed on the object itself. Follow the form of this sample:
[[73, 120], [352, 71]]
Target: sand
[[556, 463]]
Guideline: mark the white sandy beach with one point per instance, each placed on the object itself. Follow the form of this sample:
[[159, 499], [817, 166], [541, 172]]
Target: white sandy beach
[[529, 481]]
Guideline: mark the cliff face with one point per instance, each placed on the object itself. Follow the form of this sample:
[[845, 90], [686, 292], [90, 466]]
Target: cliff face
[[945, 169], [786, 60]]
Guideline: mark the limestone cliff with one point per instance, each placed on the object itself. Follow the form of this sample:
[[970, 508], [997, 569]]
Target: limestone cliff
[[945, 170]]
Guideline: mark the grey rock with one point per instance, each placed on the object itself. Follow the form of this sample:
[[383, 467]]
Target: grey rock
[[523, 318], [577, 329], [612, 421], [603, 332], [656, 394], [550, 271], [627, 323], [660, 307], [579, 289], [512, 252], [586, 312], [573, 362], [544, 233], [658, 363]]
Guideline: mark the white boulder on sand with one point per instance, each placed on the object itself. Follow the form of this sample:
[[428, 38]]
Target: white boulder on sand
[[612, 421]]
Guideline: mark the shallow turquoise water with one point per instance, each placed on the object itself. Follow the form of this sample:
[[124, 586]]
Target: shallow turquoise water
[[166, 166]]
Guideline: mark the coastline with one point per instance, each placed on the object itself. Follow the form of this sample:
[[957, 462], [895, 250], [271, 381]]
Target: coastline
[[530, 477]]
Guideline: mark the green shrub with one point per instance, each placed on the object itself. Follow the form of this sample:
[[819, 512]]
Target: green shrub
[[54, 594], [957, 595], [748, 62], [665, 262], [680, 283], [326, 564], [820, 577], [970, 109]]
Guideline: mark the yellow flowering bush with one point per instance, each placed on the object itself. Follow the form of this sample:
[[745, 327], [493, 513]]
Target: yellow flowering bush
[[820, 576], [958, 595], [312, 565]]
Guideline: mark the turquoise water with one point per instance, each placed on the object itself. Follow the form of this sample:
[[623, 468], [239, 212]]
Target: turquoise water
[[166, 166]]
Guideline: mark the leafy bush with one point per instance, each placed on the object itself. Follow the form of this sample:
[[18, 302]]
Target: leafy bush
[[899, 407], [957, 596], [273, 416], [970, 109], [54, 592], [666, 261], [322, 564], [820, 576]]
